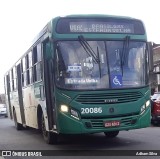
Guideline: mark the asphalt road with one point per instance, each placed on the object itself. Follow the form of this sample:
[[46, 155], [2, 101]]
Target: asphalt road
[[30, 139]]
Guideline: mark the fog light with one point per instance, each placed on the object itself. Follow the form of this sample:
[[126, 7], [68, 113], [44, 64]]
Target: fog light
[[74, 114], [64, 108], [133, 121]]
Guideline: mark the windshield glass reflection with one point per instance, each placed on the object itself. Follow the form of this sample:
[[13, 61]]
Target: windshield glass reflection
[[100, 64]]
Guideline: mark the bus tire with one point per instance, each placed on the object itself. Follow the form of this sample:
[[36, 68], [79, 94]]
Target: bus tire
[[49, 137], [111, 134], [154, 122], [17, 125]]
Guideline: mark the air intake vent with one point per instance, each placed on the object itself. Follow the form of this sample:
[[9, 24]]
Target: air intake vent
[[109, 98]]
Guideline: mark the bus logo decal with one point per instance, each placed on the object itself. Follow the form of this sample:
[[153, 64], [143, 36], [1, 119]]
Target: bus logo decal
[[111, 100], [111, 110]]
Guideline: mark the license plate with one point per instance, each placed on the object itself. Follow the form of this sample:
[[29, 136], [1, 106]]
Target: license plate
[[111, 123]]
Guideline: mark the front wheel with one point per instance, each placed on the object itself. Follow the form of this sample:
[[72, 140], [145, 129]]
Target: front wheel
[[49, 137], [111, 134]]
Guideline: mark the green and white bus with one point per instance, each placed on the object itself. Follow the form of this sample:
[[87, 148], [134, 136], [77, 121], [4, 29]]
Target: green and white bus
[[82, 74]]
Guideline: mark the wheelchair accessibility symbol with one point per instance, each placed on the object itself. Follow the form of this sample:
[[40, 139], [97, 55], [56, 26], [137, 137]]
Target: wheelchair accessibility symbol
[[116, 81]]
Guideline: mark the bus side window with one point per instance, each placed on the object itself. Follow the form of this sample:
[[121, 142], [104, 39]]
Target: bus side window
[[14, 78], [30, 78], [27, 70], [34, 64], [10, 81], [24, 71], [37, 74], [39, 62]]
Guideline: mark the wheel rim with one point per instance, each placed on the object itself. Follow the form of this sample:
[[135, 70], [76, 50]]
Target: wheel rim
[[15, 119], [44, 132]]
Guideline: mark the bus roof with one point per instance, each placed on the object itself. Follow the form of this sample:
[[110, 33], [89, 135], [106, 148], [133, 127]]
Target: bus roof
[[47, 28], [95, 16]]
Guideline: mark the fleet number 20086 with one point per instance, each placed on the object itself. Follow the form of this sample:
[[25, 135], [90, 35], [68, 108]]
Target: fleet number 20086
[[91, 110]]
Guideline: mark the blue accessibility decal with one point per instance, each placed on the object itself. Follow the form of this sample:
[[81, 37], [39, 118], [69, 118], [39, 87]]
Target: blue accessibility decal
[[116, 81]]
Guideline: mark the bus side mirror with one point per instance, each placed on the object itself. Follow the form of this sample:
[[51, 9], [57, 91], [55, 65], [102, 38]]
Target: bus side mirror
[[150, 56]]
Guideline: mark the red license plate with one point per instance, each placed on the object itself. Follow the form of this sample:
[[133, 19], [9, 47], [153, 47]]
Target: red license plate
[[112, 123]]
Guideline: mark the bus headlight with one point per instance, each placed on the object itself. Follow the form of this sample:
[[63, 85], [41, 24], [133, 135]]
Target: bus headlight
[[64, 108], [74, 114], [143, 109], [147, 103]]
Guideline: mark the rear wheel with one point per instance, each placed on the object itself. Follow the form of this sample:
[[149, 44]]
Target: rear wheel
[[111, 134], [17, 125], [49, 137]]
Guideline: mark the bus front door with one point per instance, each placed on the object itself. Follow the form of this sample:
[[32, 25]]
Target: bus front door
[[8, 95], [20, 95], [49, 85]]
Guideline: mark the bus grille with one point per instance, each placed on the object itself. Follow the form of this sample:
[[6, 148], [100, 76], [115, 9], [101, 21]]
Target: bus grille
[[109, 98]]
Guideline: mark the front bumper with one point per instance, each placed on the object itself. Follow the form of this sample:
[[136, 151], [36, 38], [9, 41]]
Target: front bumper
[[68, 125]]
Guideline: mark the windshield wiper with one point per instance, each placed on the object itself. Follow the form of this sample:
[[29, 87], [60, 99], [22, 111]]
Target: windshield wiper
[[88, 49], [99, 65], [125, 49], [124, 52]]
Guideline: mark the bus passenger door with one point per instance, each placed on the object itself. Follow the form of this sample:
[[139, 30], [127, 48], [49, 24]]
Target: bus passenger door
[[20, 95], [49, 84], [7, 91]]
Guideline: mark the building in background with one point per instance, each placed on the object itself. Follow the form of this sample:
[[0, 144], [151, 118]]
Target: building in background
[[2, 99], [155, 76]]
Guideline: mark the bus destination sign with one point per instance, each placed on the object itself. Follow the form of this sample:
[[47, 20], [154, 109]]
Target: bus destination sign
[[101, 27]]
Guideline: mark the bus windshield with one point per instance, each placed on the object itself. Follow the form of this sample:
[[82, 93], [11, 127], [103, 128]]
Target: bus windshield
[[101, 64]]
